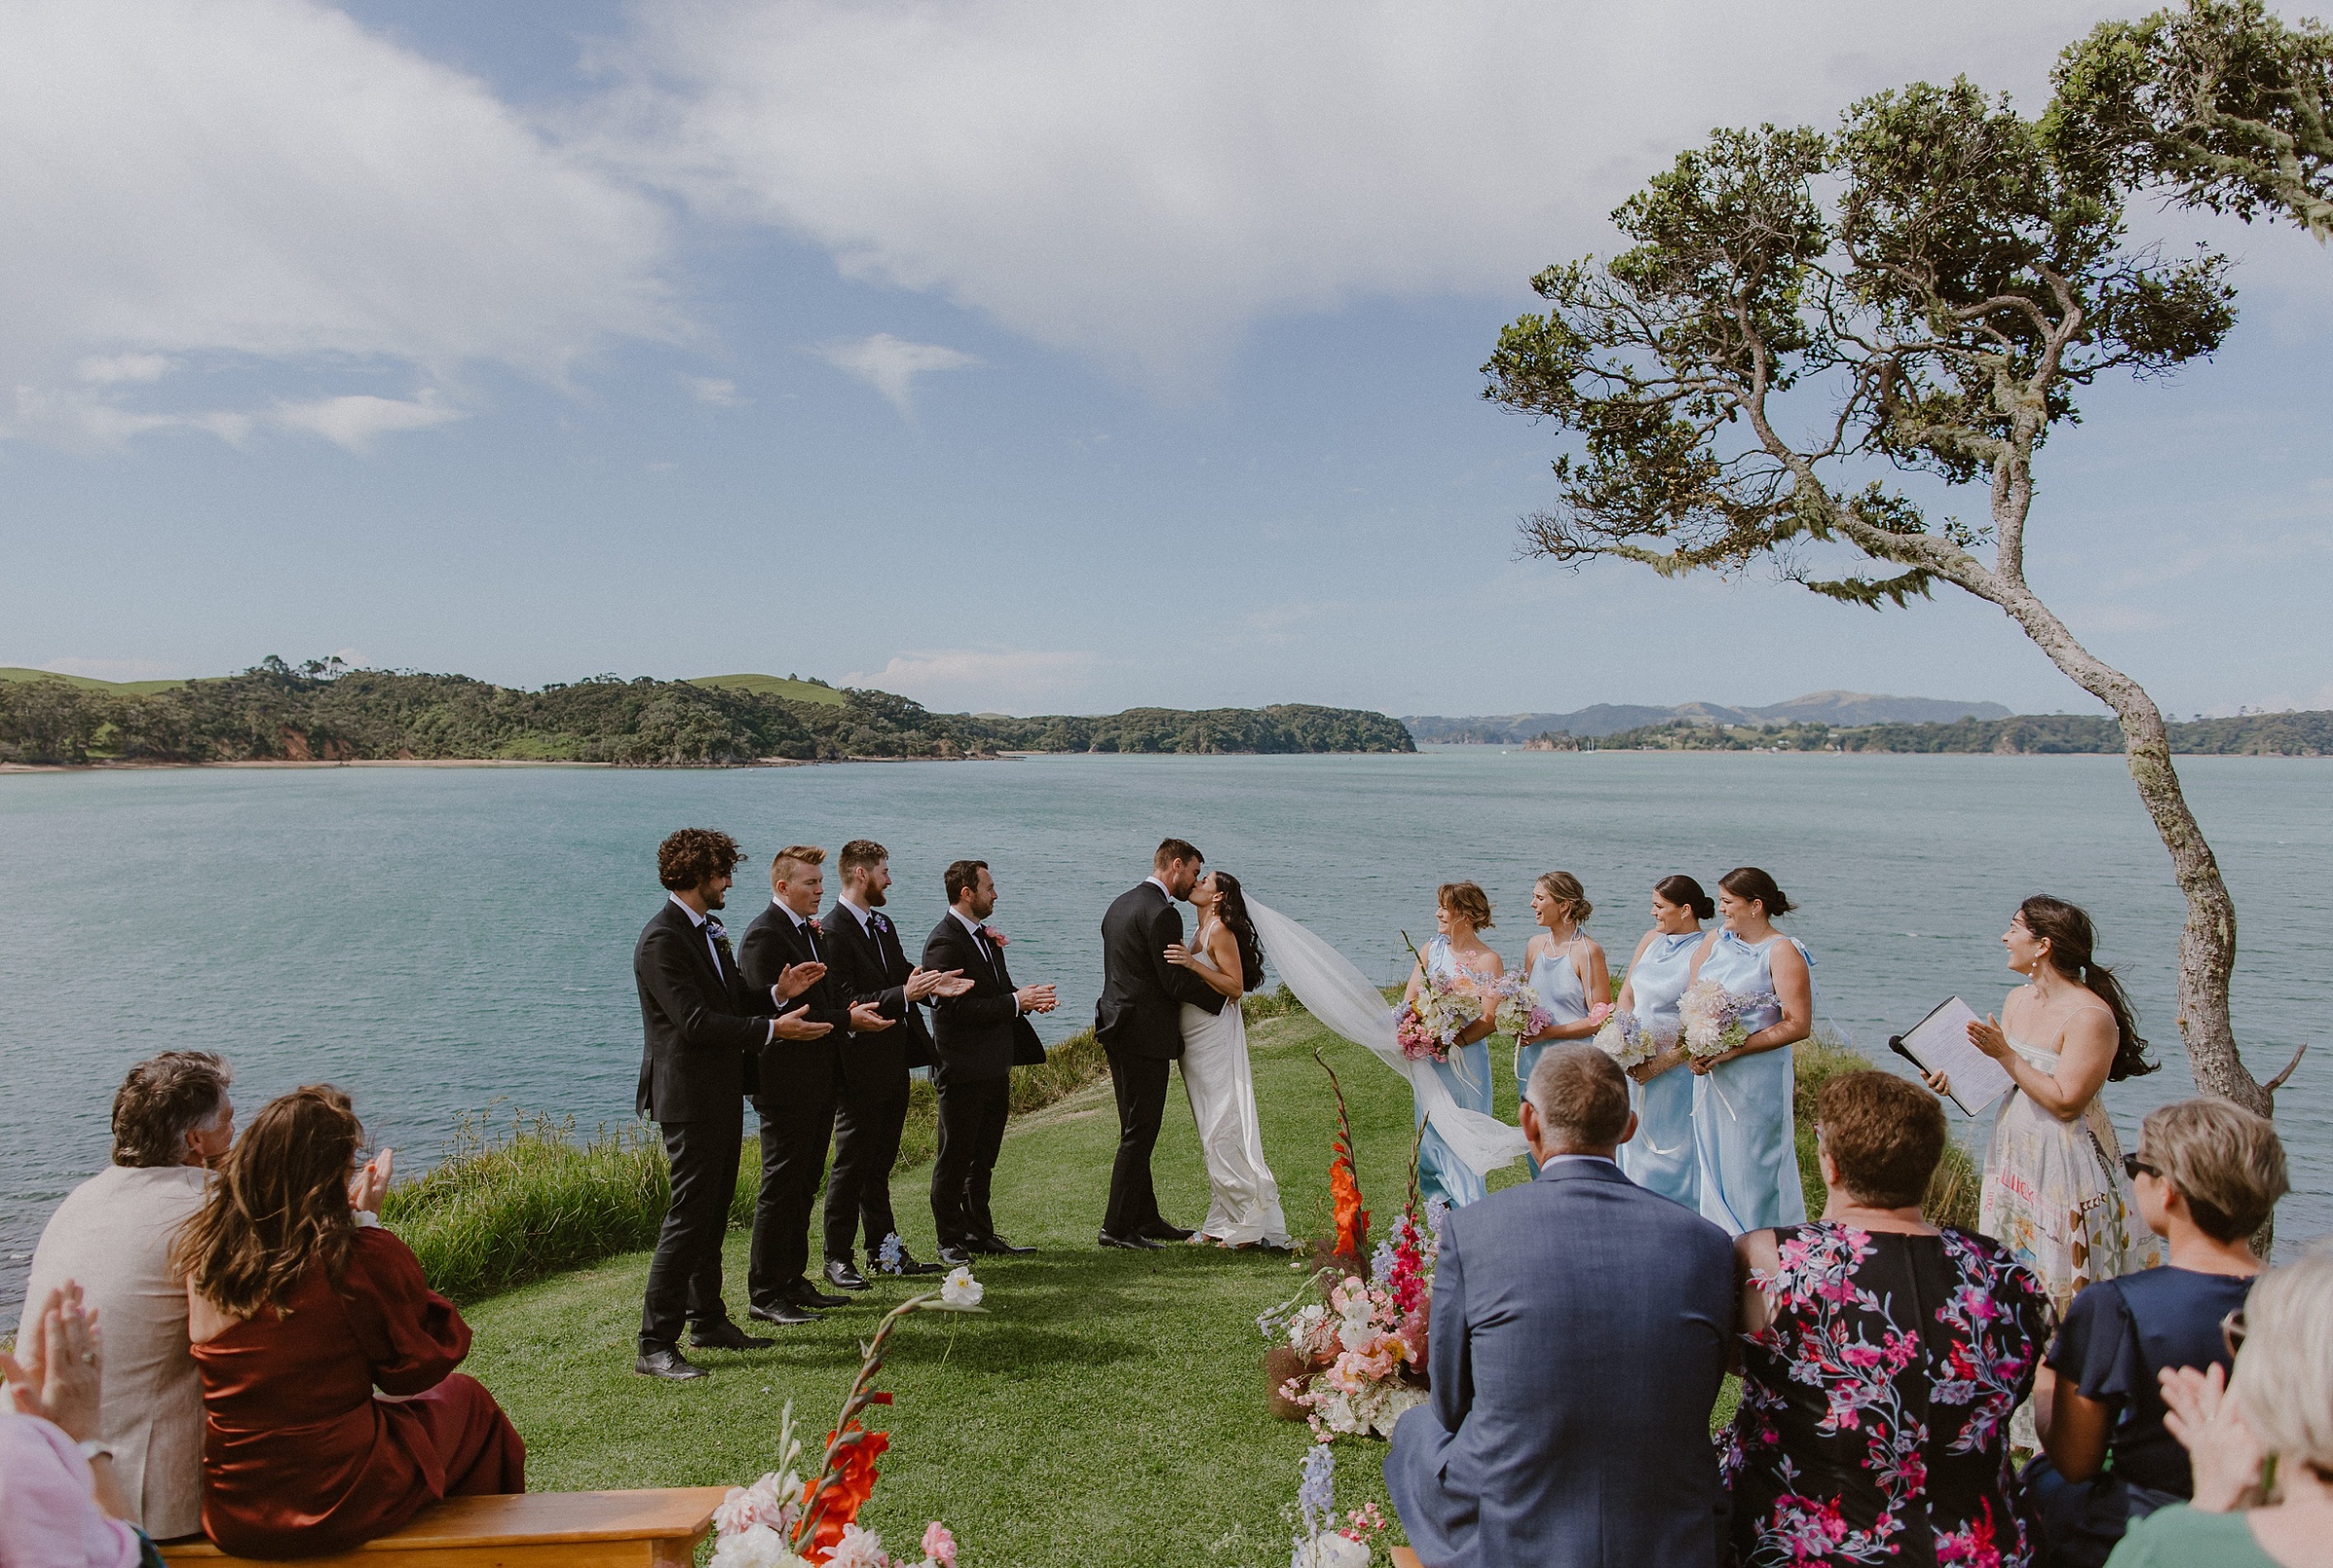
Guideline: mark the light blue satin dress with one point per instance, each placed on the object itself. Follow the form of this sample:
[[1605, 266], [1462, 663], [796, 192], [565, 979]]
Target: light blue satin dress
[[1743, 1132], [1557, 981], [1661, 1156], [1467, 1076]]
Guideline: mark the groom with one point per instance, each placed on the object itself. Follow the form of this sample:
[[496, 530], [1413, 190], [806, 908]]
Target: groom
[[1139, 1019]]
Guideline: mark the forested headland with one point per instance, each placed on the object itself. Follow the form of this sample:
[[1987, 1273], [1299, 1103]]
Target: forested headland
[[2295, 734], [278, 713]]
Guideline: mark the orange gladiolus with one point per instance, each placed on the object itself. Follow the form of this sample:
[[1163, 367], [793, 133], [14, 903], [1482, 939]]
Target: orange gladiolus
[[840, 1493]]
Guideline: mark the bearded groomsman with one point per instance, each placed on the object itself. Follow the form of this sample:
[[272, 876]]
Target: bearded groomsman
[[867, 965], [796, 1093], [704, 1031], [979, 1035]]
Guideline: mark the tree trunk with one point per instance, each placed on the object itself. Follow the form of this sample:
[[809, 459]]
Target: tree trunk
[[2207, 941]]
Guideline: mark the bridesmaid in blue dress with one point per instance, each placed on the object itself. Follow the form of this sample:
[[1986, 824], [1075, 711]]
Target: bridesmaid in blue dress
[[1742, 1122], [1661, 1156], [1461, 910], [1565, 968]]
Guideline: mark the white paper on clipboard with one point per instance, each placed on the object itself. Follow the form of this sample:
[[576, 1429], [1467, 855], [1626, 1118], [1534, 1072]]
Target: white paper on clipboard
[[1939, 1043]]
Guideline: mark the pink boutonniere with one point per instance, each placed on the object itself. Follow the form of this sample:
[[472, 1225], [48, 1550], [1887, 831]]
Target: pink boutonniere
[[995, 936]]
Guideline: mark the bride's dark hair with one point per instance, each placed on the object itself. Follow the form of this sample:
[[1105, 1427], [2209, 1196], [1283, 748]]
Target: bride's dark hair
[[1231, 908]]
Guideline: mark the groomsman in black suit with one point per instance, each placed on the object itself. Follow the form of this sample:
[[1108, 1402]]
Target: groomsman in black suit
[[867, 965], [1139, 1018], [796, 1094], [704, 1029], [979, 1035]]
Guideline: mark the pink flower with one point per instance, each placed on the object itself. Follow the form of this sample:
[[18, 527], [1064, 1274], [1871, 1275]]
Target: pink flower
[[1599, 1013], [938, 1545], [858, 1548]]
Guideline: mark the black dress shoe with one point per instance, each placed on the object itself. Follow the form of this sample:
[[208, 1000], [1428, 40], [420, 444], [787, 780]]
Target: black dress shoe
[[783, 1312], [910, 1265], [953, 1256], [667, 1363], [802, 1293], [725, 1336], [1161, 1230], [841, 1277], [997, 1246], [1131, 1244]]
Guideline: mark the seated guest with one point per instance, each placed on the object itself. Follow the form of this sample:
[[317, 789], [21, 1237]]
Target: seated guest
[[300, 1305], [2206, 1173], [61, 1504], [1576, 1343], [1882, 1358], [111, 1234], [2260, 1445]]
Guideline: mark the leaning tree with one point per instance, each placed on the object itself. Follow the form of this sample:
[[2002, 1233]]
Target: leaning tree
[[1818, 340], [2222, 104]]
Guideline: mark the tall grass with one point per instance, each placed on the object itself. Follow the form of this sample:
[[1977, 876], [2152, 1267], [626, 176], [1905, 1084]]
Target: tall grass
[[1952, 1192], [514, 1200]]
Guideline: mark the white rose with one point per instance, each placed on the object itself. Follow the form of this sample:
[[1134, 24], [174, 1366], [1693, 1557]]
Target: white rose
[[758, 1548], [960, 1289]]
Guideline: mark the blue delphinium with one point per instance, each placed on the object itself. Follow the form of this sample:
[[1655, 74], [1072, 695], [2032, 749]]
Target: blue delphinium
[[887, 1256]]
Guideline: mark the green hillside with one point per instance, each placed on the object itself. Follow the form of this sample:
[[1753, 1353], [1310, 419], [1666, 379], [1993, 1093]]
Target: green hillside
[[791, 688], [120, 689]]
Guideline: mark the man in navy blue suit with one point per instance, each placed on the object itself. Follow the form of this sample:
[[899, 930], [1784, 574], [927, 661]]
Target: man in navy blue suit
[[1580, 1334]]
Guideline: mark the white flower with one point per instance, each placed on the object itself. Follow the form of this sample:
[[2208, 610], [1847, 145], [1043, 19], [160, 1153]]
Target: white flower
[[959, 1289], [757, 1548], [1329, 1552], [858, 1548]]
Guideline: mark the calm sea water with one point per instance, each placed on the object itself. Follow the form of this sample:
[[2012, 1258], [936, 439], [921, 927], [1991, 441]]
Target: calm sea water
[[442, 941]]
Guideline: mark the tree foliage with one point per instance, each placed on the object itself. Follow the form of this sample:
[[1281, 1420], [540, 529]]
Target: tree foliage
[[2220, 102]]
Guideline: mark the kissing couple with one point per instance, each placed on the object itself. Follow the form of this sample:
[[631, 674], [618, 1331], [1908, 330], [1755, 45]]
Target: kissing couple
[[1166, 1000]]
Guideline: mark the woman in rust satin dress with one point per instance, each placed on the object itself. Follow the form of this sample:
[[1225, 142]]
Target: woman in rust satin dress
[[300, 1307]]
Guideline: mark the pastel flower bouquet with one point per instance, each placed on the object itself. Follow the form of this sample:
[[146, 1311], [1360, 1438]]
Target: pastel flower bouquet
[[1428, 1026], [1713, 1017], [1625, 1039], [781, 1521]]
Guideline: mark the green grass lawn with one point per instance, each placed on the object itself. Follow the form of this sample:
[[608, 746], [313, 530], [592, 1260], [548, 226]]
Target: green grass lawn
[[1108, 1407], [126, 688]]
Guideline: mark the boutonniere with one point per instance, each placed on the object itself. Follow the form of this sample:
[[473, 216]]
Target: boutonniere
[[719, 932], [995, 936]]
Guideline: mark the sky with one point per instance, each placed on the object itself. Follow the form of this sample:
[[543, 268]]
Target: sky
[[1014, 357]]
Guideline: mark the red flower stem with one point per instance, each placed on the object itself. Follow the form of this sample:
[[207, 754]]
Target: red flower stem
[[845, 1439]]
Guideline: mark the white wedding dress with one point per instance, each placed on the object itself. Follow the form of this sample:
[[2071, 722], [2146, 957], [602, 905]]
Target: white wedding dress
[[1243, 1204]]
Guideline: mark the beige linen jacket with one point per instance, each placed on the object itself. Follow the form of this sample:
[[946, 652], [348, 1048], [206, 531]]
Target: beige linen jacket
[[111, 1234]]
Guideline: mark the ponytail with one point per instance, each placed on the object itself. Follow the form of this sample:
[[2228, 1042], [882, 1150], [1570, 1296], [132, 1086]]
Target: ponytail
[[2072, 939]]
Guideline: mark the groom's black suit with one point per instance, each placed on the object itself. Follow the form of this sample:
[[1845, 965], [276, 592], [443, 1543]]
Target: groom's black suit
[[703, 1028], [1139, 1019], [795, 1102], [868, 965]]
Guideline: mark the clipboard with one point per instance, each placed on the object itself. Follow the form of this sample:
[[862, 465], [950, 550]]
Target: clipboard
[[1939, 1043]]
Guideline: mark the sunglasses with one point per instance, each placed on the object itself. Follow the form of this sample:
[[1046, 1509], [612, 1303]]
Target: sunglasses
[[2133, 1164], [2232, 1332]]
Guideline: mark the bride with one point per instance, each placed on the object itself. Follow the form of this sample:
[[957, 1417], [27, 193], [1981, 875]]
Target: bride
[[1244, 1203]]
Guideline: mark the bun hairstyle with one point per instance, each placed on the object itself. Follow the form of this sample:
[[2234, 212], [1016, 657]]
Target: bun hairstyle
[[1231, 908], [2071, 937], [1569, 896], [1466, 900], [1750, 882], [1686, 893]]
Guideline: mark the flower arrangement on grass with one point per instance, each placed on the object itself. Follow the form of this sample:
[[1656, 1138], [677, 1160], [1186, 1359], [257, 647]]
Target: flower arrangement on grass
[[1713, 1017], [1324, 1542], [781, 1521]]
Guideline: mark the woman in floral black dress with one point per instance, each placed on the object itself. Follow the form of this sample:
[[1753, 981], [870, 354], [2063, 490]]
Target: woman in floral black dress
[[1881, 1360]]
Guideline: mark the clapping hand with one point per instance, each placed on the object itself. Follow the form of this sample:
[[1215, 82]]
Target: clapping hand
[[866, 1018], [795, 1026], [372, 1180], [926, 982], [59, 1376], [2221, 1450], [796, 978], [1035, 999]]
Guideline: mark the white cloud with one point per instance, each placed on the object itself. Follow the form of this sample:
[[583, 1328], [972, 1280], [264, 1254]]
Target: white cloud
[[193, 186], [891, 364], [1141, 183], [982, 680], [354, 420], [712, 389]]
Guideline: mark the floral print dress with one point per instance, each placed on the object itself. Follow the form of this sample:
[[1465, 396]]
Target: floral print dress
[[1875, 1409]]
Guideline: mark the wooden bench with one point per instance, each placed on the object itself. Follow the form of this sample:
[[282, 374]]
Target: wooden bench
[[643, 1529]]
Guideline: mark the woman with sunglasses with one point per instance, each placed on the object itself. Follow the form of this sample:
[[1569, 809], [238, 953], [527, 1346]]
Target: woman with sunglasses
[[2206, 1174]]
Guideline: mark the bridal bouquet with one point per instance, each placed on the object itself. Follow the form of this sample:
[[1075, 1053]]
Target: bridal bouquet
[[781, 1521], [1429, 1023], [1520, 1014], [1713, 1017], [1625, 1039]]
